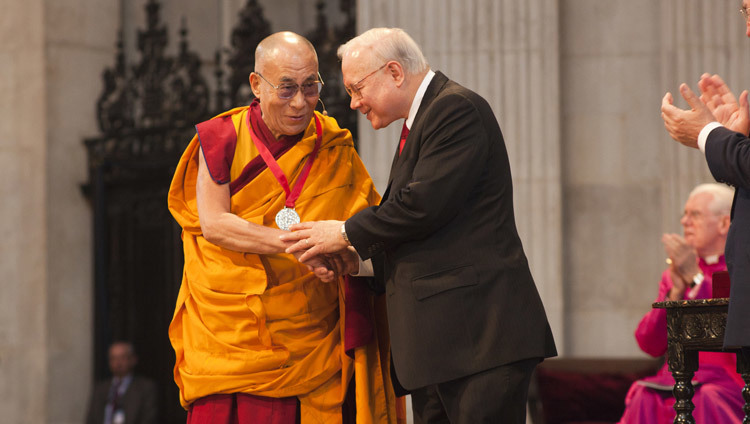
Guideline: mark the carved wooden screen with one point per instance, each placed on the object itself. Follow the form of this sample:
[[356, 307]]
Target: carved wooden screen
[[146, 115]]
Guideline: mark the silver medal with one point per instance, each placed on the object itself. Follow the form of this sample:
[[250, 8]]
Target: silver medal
[[286, 218]]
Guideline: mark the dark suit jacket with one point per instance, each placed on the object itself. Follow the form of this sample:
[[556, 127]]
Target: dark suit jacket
[[460, 296], [139, 402], [728, 157]]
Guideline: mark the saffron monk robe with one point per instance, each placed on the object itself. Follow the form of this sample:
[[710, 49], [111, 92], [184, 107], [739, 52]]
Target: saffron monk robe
[[264, 325], [258, 337]]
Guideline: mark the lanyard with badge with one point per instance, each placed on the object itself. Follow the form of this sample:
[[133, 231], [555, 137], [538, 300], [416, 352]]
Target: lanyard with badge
[[287, 216]]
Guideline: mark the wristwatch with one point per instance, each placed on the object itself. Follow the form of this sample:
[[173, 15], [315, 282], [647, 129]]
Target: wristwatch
[[346, 239]]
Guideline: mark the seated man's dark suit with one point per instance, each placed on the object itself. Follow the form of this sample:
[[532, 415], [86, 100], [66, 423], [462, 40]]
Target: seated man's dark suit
[[139, 402], [728, 157]]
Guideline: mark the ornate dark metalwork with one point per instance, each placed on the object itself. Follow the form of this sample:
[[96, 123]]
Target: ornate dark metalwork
[[158, 92], [114, 109], [251, 29], [149, 75], [187, 93]]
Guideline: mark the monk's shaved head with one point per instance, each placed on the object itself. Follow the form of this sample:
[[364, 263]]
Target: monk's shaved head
[[284, 62], [281, 45]]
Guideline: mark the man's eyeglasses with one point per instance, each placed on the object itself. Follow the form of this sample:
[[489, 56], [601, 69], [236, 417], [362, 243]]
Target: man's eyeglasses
[[745, 12], [355, 89], [286, 90]]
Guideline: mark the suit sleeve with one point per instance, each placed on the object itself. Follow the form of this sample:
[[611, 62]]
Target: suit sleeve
[[95, 413], [728, 157], [150, 403], [453, 145]]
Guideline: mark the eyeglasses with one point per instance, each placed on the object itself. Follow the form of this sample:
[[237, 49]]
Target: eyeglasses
[[745, 12], [286, 90], [693, 215], [354, 90], [698, 216]]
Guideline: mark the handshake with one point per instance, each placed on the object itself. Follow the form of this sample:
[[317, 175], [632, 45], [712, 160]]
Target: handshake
[[321, 246]]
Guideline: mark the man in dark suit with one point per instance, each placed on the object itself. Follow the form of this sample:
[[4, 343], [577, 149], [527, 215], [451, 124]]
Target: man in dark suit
[[467, 325], [718, 125], [125, 398]]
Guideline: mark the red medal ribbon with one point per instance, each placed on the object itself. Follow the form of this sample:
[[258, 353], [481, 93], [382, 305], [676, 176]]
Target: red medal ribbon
[[293, 194]]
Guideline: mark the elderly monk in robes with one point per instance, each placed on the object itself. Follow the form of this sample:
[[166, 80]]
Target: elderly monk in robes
[[258, 336]]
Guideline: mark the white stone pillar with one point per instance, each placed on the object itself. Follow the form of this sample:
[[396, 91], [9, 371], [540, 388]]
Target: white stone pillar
[[507, 51], [612, 170], [79, 43], [23, 251]]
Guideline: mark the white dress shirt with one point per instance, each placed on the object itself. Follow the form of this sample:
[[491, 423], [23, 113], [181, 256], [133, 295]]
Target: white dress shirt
[[703, 135]]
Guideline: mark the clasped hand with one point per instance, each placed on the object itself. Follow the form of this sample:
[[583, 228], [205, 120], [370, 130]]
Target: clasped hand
[[320, 246]]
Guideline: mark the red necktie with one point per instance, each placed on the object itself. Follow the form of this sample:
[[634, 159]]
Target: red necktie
[[404, 134]]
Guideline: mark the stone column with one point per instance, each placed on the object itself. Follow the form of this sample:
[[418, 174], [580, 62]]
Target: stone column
[[612, 170], [50, 78], [507, 51], [23, 227], [79, 44]]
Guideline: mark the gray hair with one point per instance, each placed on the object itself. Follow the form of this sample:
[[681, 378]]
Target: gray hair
[[721, 204], [386, 44]]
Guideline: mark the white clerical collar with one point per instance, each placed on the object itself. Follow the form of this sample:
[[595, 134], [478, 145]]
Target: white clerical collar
[[418, 98], [711, 259]]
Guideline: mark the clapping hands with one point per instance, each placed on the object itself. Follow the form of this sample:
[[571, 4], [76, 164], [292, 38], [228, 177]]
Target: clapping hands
[[715, 94], [716, 103], [684, 263]]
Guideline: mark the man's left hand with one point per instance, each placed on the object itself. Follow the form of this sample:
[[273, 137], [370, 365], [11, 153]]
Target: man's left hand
[[315, 238], [323, 268], [685, 125], [340, 264]]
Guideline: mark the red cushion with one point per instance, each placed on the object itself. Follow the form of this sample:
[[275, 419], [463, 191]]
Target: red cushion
[[571, 397]]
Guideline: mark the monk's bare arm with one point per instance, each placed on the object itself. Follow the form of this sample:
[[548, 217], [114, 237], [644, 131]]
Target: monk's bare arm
[[225, 229]]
